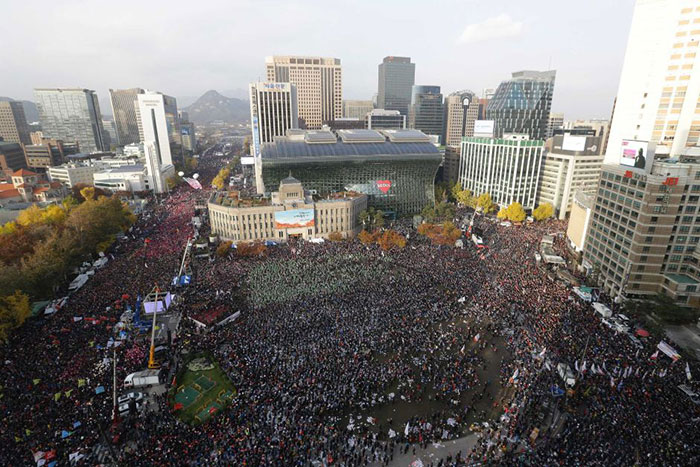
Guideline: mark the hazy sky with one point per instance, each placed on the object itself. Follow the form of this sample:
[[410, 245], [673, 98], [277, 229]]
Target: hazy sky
[[187, 48]]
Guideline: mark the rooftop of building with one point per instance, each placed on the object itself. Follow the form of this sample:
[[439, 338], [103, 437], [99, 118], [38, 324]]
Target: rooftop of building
[[504, 141], [23, 173], [126, 169], [350, 143], [681, 279]]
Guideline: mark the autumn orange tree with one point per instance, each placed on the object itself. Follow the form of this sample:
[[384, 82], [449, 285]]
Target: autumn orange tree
[[246, 249], [440, 234]]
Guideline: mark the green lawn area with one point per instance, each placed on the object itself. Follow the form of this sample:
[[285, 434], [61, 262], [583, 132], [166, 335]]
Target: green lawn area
[[200, 394]]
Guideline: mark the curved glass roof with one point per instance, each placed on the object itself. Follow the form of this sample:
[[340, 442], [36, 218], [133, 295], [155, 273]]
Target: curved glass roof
[[282, 149]]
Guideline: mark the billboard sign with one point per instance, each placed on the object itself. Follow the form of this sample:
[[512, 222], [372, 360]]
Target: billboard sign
[[256, 137], [635, 154], [573, 143], [483, 128], [294, 218], [384, 185]]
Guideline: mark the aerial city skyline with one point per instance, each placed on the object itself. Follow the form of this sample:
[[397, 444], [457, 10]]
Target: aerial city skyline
[[474, 48], [480, 246]]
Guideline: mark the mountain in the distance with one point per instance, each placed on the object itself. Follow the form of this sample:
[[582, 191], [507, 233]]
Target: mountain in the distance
[[213, 106], [31, 113]]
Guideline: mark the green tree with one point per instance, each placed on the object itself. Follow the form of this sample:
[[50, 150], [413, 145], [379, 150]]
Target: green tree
[[543, 211], [371, 219], [172, 182], [515, 212], [30, 216], [465, 198], [88, 193], [455, 191], [485, 203], [14, 310]]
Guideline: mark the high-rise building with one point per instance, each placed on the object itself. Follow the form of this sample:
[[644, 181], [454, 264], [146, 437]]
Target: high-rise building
[[13, 123], [356, 109], [555, 122], [507, 168], [397, 75], [572, 164], [11, 157], [645, 230], [158, 117], [110, 136], [426, 112], [522, 104], [319, 86], [461, 111], [380, 119], [47, 154], [71, 114], [658, 98], [273, 111], [124, 111]]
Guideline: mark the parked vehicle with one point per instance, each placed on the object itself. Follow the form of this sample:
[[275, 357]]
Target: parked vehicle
[[143, 378], [133, 395], [124, 408]]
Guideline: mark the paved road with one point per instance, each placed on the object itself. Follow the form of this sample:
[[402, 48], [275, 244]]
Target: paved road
[[436, 451]]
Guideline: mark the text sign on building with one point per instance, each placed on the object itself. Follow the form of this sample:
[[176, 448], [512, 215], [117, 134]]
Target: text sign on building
[[278, 86], [671, 181], [483, 128], [384, 185], [256, 137], [294, 218]]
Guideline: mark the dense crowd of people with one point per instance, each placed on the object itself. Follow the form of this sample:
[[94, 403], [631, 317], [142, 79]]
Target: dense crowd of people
[[346, 354]]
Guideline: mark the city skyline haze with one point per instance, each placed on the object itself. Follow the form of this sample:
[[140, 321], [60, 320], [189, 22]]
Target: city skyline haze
[[222, 45]]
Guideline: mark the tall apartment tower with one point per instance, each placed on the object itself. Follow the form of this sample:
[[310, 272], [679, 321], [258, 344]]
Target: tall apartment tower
[[522, 104], [397, 75], [156, 112], [461, 111], [124, 112], [426, 112], [658, 99], [13, 123], [319, 86], [71, 114]]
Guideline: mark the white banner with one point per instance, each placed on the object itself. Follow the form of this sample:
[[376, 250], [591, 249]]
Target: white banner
[[668, 350]]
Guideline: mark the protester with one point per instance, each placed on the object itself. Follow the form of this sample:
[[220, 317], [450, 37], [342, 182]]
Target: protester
[[333, 339]]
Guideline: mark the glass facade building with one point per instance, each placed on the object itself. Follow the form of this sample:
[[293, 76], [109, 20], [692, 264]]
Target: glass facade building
[[394, 168], [71, 115], [426, 112], [396, 78], [522, 104]]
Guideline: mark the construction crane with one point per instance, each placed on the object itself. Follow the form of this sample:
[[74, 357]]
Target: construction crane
[[152, 363]]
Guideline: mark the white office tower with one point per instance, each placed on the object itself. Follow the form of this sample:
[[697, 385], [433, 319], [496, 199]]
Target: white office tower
[[156, 142], [319, 85], [273, 111], [657, 99], [507, 168]]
